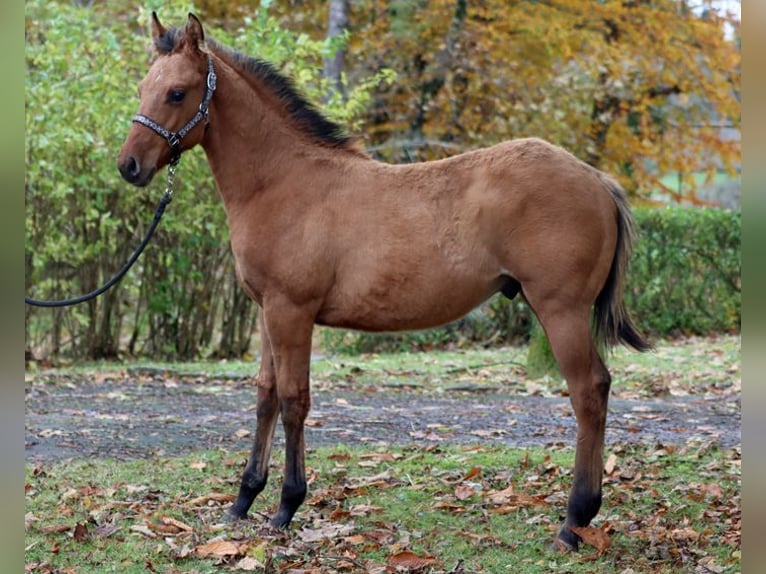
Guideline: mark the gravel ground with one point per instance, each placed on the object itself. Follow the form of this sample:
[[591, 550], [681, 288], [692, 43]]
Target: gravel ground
[[136, 417]]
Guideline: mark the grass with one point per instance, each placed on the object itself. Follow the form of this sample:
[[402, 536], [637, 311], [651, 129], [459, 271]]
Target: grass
[[695, 365], [408, 508], [449, 507]]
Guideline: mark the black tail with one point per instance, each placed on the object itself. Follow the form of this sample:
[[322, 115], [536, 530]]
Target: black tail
[[612, 322]]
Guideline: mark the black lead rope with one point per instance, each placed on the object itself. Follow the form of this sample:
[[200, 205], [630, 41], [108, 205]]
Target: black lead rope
[[164, 201]]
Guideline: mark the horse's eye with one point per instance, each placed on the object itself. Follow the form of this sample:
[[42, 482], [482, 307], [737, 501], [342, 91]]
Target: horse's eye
[[176, 96]]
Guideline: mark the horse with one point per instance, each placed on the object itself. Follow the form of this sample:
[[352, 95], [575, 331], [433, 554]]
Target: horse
[[323, 234]]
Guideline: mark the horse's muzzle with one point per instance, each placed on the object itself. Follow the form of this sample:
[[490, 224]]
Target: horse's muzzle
[[130, 170]]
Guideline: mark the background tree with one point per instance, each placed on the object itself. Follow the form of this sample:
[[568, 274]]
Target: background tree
[[640, 89], [337, 26]]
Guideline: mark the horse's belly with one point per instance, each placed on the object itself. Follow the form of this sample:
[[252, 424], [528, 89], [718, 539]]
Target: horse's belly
[[407, 307]]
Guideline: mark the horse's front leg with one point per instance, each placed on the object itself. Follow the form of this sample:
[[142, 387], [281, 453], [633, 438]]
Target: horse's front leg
[[257, 470], [290, 329]]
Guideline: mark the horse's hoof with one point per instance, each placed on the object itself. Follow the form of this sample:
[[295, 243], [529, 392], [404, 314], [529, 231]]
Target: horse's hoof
[[280, 521], [230, 516], [566, 541]]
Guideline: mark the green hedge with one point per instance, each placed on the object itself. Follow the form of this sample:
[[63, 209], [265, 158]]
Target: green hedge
[[685, 273], [684, 279]]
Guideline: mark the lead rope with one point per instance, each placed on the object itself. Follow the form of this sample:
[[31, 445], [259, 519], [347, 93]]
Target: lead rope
[[166, 198]]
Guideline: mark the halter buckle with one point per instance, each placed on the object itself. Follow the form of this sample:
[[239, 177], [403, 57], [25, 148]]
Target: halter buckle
[[174, 141]]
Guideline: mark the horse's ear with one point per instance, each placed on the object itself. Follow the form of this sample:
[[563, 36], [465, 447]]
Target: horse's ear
[[158, 30], [194, 35]]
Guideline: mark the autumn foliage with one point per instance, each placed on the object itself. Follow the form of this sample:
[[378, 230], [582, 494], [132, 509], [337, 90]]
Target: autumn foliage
[[637, 88]]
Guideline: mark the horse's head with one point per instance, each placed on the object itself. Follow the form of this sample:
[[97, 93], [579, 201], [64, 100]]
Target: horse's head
[[174, 95]]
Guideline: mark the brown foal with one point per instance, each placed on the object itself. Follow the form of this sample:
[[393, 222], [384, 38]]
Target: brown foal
[[324, 234]]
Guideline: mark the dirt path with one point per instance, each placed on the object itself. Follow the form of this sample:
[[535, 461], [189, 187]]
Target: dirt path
[[140, 417]]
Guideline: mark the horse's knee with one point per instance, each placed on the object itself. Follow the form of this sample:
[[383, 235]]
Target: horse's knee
[[294, 410]]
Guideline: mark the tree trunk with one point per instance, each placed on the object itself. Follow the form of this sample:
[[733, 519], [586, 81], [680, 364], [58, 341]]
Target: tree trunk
[[337, 24]]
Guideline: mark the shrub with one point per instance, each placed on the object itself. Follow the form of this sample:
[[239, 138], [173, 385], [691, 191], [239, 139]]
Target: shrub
[[685, 273]]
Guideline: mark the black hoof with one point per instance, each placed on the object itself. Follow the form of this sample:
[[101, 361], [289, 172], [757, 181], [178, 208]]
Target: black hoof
[[566, 541], [281, 520], [233, 515]]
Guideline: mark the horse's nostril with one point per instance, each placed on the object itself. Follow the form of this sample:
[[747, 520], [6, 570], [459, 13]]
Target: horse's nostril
[[132, 167]]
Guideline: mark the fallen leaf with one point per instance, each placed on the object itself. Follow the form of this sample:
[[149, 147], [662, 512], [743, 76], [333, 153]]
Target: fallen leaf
[[199, 465], [81, 533], [596, 537], [162, 527], [473, 473], [407, 559], [177, 523], [325, 531], [464, 491], [143, 529], [249, 563], [213, 496], [611, 462], [218, 549]]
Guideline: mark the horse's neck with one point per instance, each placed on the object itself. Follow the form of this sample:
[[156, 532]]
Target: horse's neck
[[248, 146]]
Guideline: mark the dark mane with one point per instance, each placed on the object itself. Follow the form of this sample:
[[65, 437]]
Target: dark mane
[[303, 113]]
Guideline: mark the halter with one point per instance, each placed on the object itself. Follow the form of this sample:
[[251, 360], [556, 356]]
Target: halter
[[174, 138]]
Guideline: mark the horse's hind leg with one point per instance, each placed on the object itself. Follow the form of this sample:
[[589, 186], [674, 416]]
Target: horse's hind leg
[[568, 329], [257, 470]]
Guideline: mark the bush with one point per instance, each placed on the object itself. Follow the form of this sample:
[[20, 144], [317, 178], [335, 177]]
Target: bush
[[684, 279], [685, 273]]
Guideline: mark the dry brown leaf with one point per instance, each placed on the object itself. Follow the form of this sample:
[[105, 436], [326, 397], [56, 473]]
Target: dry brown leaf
[[249, 563], [596, 537], [473, 473], [219, 549], [143, 529], [501, 496], [161, 527], [464, 491], [687, 533], [407, 559], [177, 523], [81, 533], [611, 462], [214, 496]]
